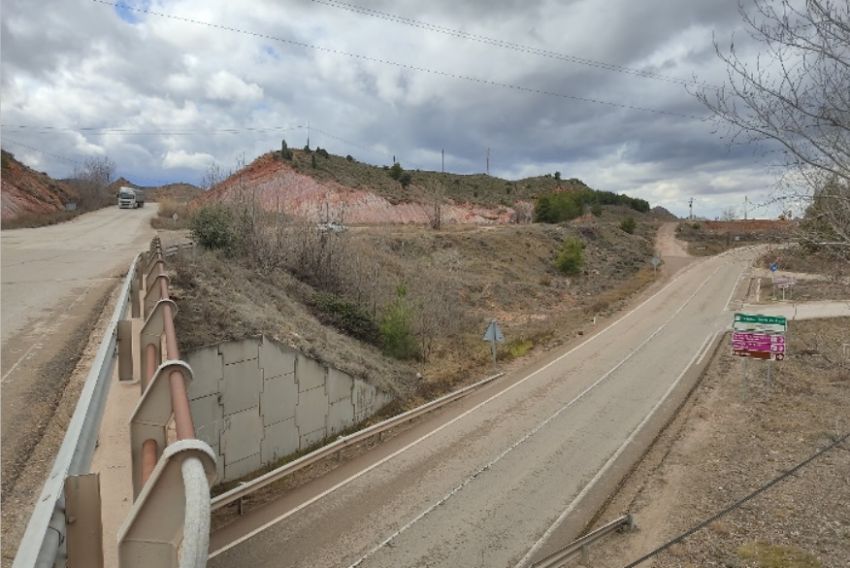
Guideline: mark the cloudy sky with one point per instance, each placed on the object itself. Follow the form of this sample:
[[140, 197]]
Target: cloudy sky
[[596, 90]]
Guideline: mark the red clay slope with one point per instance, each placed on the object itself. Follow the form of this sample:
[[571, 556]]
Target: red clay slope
[[277, 186], [28, 192]]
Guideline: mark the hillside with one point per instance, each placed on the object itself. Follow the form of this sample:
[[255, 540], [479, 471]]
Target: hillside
[[181, 192], [27, 193], [329, 297], [323, 187]]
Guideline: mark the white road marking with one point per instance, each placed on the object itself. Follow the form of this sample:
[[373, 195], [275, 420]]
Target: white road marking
[[732, 293], [18, 362], [536, 429], [424, 437], [553, 527]]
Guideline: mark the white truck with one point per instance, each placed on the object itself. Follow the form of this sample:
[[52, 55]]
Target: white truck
[[129, 198]]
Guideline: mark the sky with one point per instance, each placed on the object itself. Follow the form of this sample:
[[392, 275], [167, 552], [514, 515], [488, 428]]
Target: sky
[[600, 91]]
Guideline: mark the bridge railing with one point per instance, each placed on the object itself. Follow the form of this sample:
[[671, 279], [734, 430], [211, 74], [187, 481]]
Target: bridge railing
[[45, 541], [168, 524]]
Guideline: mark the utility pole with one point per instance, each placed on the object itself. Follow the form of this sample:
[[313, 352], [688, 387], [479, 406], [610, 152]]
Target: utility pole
[[443, 160], [691, 208], [746, 201], [488, 161], [308, 134]]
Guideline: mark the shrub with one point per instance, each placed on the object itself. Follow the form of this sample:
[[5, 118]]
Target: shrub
[[346, 316], [349, 158], [285, 152], [405, 179], [570, 258], [313, 161], [212, 227], [566, 205], [628, 225], [596, 209], [396, 328], [396, 171]]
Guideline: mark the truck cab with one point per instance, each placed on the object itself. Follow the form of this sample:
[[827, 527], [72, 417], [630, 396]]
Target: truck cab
[[129, 198]]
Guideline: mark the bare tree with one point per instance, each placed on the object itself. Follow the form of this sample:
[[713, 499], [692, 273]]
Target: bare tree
[[728, 214], [796, 93], [92, 179], [213, 176]]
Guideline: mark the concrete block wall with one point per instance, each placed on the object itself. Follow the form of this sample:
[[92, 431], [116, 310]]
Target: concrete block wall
[[255, 401]]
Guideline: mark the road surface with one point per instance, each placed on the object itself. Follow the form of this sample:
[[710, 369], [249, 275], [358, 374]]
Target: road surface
[[54, 280], [489, 482]]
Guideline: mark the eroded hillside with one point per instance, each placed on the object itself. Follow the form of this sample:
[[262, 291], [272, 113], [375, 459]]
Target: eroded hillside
[[319, 186], [27, 192]]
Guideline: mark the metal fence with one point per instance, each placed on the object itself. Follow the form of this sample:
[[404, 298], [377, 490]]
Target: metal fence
[[168, 524]]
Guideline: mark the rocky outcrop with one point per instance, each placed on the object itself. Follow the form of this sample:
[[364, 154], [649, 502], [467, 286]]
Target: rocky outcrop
[[28, 192], [276, 186]]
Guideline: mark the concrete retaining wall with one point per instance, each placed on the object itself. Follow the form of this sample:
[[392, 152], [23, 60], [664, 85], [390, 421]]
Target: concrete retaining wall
[[255, 401]]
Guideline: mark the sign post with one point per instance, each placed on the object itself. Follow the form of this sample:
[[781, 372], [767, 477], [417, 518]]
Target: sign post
[[655, 261], [759, 337], [493, 334]]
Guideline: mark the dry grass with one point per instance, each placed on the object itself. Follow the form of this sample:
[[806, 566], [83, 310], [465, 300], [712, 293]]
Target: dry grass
[[171, 215], [40, 220], [767, 555]]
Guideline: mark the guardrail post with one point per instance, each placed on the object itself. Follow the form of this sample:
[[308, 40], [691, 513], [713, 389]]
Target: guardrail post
[[154, 529], [151, 416], [82, 515], [125, 350]]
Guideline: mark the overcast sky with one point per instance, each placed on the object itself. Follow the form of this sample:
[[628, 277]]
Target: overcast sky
[[165, 97]]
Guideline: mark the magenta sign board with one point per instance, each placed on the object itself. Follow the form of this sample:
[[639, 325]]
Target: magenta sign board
[[763, 345]]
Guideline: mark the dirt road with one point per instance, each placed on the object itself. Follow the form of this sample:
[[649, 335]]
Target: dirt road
[[54, 280], [492, 483]]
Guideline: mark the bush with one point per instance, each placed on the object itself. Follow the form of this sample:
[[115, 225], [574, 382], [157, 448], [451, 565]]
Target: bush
[[396, 328], [313, 161], [405, 179], [396, 171], [566, 205], [212, 227], [346, 316], [349, 158], [596, 209], [570, 258], [285, 152], [628, 225]]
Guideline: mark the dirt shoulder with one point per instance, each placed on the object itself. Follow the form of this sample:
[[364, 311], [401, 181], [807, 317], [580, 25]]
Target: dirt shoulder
[[730, 438], [31, 455]]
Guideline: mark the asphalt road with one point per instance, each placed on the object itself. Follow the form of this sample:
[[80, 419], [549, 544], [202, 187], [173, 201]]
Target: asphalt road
[[488, 482], [55, 279]]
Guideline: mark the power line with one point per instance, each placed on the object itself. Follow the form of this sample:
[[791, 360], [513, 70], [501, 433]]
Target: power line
[[739, 502], [502, 43], [40, 151], [107, 130], [469, 78]]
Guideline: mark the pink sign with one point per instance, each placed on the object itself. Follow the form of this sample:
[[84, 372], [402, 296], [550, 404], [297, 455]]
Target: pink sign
[[758, 342]]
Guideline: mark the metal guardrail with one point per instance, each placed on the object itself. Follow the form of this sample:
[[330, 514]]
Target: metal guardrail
[[43, 543], [342, 443], [579, 546], [170, 515]]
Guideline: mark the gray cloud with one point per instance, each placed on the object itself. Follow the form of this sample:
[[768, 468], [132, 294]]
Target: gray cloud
[[172, 86]]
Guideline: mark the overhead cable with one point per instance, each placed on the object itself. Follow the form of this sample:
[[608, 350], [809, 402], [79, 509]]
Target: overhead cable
[[361, 57]]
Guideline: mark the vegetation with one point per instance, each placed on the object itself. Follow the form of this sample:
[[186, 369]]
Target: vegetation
[[791, 98], [285, 152], [347, 316], [570, 257], [213, 227], [397, 336], [777, 556], [628, 225], [561, 206]]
